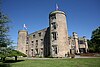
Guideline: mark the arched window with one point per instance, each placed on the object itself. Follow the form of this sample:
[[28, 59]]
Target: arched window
[[54, 35]]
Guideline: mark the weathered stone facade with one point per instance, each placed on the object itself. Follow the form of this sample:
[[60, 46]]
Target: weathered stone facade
[[58, 34], [79, 44], [52, 41], [22, 39]]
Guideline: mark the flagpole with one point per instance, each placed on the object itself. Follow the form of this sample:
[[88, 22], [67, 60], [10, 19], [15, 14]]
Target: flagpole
[[57, 8]]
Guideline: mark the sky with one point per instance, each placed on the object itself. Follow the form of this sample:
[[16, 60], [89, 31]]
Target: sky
[[83, 16]]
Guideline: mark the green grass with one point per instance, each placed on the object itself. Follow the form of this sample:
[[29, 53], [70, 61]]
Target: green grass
[[79, 62]]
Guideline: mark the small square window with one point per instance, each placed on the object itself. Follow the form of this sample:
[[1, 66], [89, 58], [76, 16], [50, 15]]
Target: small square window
[[39, 34], [32, 41], [36, 40], [27, 39], [81, 42], [54, 25], [53, 16], [41, 39], [31, 49], [33, 36], [26, 42]]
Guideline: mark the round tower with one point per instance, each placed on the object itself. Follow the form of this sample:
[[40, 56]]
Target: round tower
[[58, 34], [22, 41]]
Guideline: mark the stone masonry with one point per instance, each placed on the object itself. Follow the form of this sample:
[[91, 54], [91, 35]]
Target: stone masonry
[[52, 41]]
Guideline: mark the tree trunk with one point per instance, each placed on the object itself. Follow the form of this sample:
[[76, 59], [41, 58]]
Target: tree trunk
[[15, 58], [3, 58]]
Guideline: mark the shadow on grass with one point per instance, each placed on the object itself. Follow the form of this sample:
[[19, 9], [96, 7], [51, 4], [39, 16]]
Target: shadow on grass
[[5, 65], [8, 62], [12, 61]]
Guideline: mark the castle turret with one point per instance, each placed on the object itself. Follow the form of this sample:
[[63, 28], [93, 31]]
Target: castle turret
[[22, 41], [86, 45], [58, 34], [75, 36]]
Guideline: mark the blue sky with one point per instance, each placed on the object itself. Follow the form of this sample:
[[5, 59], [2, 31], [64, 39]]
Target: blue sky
[[83, 16]]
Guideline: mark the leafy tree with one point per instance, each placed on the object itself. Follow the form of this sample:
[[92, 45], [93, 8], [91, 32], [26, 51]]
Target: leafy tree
[[94, 43], [15, 53], [6, 49], [4, 28], [95, 39], [11, 53], [91, 46], [4, 40]]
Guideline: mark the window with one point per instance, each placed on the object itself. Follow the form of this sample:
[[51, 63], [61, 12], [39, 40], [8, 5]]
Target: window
[[55, 49], [32, 41], [32, 52], [32, 45], [54, 35], [54, 25], [73, 42], [26, 42], [36, 51], [26, 51], [41, 41], [31, 49], [41, 48], [53, 16], [39, 34], [81, 42], [27, 39], [36, 42], [36, 46], [33, 36]]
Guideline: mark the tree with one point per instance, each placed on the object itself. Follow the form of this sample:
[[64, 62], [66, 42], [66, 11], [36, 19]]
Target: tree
[[4, 40], [15, 53], [4, 52], [11, 53], [6, 49], [91, 46], [94, 42], [95, 39], [4, 29]]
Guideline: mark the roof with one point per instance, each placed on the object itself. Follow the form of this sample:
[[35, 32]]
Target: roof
[[57, 11], [38, 31], [81, 38]]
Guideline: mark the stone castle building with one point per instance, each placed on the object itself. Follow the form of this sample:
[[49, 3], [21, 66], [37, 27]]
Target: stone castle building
[[52, 41]]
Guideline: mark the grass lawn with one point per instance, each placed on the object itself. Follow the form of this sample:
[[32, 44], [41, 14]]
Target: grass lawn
[[76, 62]]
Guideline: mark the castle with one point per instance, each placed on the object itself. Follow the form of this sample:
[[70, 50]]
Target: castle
[[52, 41]]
